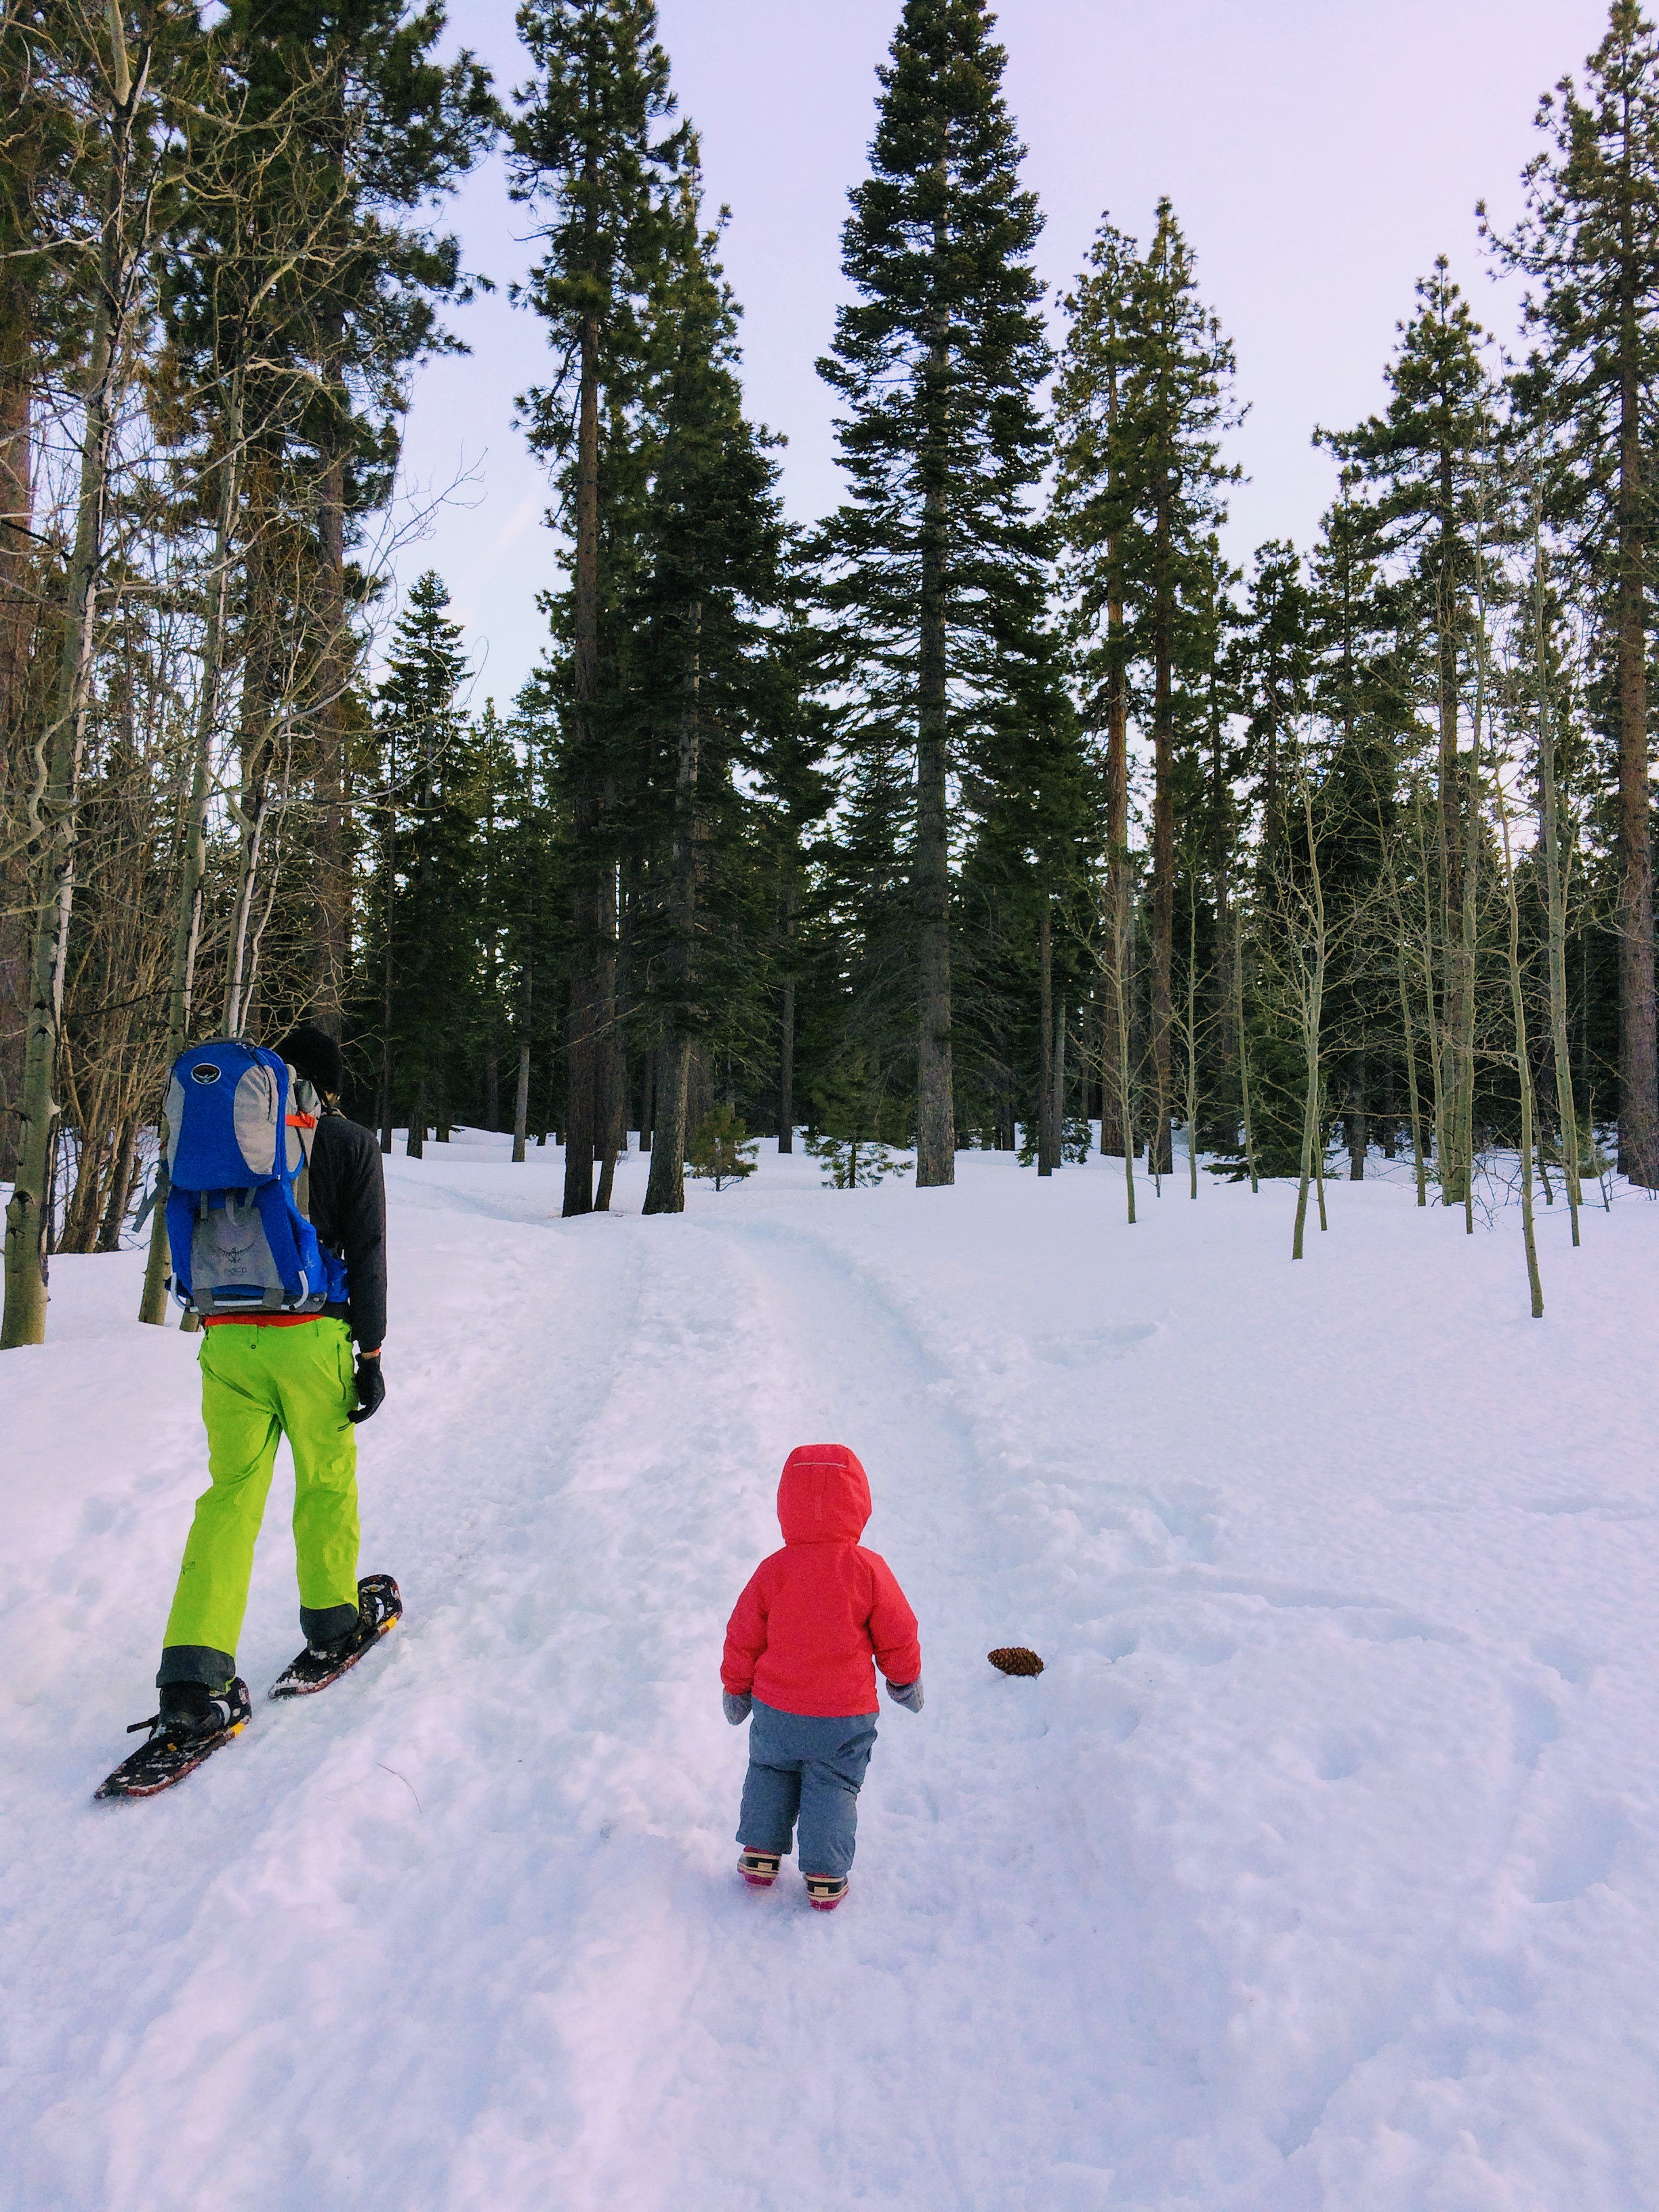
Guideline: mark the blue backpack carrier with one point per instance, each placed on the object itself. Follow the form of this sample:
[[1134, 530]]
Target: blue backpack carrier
[[239, 1240]]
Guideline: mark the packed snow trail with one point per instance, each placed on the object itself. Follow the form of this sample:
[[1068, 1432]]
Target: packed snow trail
[[1318, 1869]]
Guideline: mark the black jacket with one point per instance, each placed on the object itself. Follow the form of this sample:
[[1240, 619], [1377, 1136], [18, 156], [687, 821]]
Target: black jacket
[[347, 1204]]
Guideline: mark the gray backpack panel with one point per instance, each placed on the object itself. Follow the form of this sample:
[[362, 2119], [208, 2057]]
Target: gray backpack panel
[[229, 1251]]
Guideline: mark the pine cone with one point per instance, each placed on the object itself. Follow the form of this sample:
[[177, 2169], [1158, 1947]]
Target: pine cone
[[1015, 1659]]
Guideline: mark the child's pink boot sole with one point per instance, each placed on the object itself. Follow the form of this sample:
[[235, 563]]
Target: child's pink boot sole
[[824, 1892], [759, 1868]]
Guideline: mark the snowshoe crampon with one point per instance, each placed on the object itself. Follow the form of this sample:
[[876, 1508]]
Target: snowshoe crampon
[[379, 1609], [176, 1746]]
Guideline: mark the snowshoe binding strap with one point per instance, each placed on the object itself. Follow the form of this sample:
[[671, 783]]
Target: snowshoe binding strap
[[178, 1745]]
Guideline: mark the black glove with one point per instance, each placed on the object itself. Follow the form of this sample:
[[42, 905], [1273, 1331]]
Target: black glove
[[907, 1693], [736, 1707], [371, 1389]]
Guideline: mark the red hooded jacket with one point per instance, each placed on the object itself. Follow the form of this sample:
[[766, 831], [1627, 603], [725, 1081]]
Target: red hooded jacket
[[813, 1615]]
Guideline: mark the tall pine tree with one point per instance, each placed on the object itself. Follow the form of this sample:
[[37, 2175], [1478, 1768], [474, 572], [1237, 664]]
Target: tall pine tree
[[586, 156], [1589, 241], [712, 540], [426, 873], [1424, 460], [1146, 400], [935, 564]]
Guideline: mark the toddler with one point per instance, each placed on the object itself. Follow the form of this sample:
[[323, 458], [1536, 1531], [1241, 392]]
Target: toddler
[[797, 1651]]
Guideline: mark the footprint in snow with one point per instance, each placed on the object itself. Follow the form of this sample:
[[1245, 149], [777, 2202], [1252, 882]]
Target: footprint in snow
[[1565, 1658]]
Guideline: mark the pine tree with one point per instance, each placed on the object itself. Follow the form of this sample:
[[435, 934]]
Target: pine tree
[[584, 154], [1145, 403], [1278, 649], [798, 794], [721, 1150], [1092, 505], [1425, 461], [711, 540], [1032, 800], [862, 981], [856, 1119], [1589, 241], [427, 881], [936, 564], [1358, 671]]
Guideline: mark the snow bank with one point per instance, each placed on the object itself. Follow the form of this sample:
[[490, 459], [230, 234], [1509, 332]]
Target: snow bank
[[1318, 1869]]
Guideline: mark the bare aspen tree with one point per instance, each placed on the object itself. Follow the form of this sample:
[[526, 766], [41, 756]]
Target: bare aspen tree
[[1522, 1061], [51, 804], [1426, 947], [1468, 926], [1408, 1038], [1057, 1094], [1319, 1163], [1189, 1038], [1121, 923], [187, 923], [1549, 809], [254, 829], [1309, 940], [1244, 1050], [1047, 1132], [1517, 996], [1108, 936]]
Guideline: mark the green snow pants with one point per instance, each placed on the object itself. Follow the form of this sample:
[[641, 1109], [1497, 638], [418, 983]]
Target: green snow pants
[[258, 1385]]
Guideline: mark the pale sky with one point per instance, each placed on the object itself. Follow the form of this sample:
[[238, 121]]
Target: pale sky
[[1319, 153]]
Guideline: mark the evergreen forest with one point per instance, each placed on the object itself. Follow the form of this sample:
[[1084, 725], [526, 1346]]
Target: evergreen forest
[[998, 809]]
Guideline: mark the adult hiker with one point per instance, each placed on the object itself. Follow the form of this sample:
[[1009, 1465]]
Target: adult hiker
[[276, 1222]]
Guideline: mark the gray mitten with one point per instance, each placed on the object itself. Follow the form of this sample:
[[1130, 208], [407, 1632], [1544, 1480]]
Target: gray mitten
[[737, 1708], [907, 1693]]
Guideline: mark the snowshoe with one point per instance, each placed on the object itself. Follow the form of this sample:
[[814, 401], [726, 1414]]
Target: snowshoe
[[379, 1608], [178, 1742], [759, 1868], [824, 1892]]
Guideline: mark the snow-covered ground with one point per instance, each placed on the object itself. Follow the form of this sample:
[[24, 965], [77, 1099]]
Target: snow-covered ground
[[1320, 1868]]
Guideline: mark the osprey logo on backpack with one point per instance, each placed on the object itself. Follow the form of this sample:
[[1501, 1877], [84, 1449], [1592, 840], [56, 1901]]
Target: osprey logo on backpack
[[240, 1241]]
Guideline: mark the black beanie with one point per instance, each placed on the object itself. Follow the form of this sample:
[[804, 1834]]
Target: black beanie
[[313, 1053]]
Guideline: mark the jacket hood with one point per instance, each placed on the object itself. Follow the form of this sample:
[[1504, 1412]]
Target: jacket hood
[[823, 1495]]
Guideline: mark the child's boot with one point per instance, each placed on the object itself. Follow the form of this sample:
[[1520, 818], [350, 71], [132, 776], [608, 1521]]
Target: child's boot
[[759, 1868], [824, 1892]]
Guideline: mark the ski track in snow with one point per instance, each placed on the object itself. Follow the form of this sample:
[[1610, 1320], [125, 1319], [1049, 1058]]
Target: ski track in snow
[[1318, 1868]]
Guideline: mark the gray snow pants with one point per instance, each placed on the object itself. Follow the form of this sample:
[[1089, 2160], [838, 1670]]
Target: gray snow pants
[[802, 1765]]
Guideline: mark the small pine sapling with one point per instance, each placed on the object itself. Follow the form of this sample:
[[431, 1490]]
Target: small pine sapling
[[722, 1151], [854, 1122], [853, 1163]]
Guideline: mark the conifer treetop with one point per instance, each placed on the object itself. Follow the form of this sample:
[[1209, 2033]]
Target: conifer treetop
[[1587, 242], [426, 664], [1440, 415], [583, 152], [940, 355], [1143, 402]]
